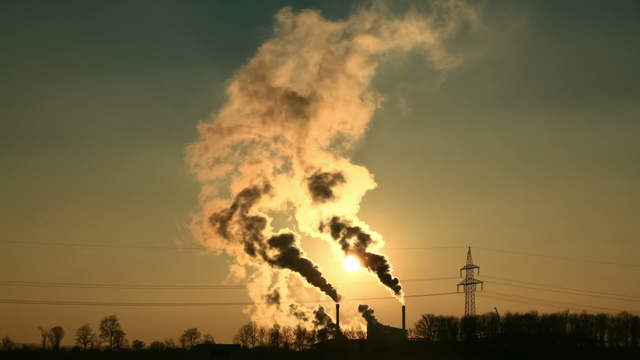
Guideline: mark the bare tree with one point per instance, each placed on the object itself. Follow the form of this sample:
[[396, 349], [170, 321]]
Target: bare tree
[[262, 336], [7, 344], [287, 335], [85, 337], [250, 335], [112, 333], [190, 338], [299, 338], [44, 335], [56, 334], [275, 336]]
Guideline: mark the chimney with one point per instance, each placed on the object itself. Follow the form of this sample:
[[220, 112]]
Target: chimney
[[403, 317], [338, 315]]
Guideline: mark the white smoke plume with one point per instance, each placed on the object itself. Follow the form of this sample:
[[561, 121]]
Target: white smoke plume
[[282, 140]]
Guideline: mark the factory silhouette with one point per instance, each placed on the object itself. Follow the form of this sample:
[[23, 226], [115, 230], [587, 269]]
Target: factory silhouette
[[486, 336]]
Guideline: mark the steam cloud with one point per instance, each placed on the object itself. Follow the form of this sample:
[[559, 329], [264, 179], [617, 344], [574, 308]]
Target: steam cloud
[[279, 149]]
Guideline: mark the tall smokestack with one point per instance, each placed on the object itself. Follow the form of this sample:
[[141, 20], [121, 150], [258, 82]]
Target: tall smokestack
[[338, 316], [403, 317]]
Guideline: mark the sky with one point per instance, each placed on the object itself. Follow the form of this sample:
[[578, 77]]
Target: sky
[[530, 146]]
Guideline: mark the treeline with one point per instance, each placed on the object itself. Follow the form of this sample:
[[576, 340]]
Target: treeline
[[109, 336], [296, 338], [557, 329]]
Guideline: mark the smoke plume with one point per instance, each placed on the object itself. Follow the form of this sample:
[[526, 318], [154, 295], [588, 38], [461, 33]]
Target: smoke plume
[[367, 314], [321, 185], [236, 223], [280, 147], [354, 241], [325, 326]]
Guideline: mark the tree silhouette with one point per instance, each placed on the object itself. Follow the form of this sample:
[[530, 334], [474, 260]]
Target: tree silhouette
[[190, 338], [55, 335], [111, 332], [85, 337], [275, 336], [208, 339], [564, 329], [157, 346], [137, 345], [44, 335], [300, 335], [7, 344], [170, 344], [248, 335]]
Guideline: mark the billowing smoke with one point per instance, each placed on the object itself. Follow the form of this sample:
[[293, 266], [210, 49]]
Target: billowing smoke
[[279, 148], [354, 241], [321, 185], [367, 314], [237, 223], [325, 326]]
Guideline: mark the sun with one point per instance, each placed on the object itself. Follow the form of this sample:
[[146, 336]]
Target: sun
[[351, 263]]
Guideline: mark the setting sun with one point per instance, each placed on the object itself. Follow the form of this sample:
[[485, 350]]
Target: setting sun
[[351, 263]]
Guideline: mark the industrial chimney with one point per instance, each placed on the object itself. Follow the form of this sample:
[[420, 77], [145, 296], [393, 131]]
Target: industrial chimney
[[403, 318], [338, 315]]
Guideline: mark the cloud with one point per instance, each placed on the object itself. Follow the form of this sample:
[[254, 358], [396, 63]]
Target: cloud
[[292, 115]]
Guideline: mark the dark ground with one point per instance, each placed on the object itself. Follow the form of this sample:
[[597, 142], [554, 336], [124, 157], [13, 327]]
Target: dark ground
[[358, 351]]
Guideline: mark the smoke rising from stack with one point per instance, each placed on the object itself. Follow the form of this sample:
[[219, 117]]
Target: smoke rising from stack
[[281, 143], [354, 241], [367, 314], [236, 223], [324, 324]]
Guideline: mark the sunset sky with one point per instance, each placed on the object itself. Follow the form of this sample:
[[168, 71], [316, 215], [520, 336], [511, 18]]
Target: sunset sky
[[528, 150]]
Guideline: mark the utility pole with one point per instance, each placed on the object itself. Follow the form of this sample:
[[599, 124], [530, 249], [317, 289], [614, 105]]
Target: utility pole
[[469, 284]]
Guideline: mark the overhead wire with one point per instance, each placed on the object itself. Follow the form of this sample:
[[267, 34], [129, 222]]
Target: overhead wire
[[125, 286], [178, 304], [566, 290], [203, 248]]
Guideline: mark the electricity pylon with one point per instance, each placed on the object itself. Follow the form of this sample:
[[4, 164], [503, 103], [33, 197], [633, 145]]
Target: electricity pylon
[[469, 284]]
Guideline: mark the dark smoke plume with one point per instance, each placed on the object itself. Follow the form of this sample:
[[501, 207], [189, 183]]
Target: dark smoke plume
[[324, 324], [237, 224], [290, 257], [354, 241], [367, 314], [273, 298], [297, 313], [321, 185]]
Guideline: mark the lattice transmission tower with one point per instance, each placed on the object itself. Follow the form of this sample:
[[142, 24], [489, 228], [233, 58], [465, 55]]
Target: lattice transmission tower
[[469, 284]]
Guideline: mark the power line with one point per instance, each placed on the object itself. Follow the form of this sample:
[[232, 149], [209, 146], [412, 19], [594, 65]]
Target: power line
[[430, 279], [523, 253], [202, 248], [117, 286], [188, 304], [556, 257], [107, 246], [74, 285], [551, 288], [426, 248], [557, 291]]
